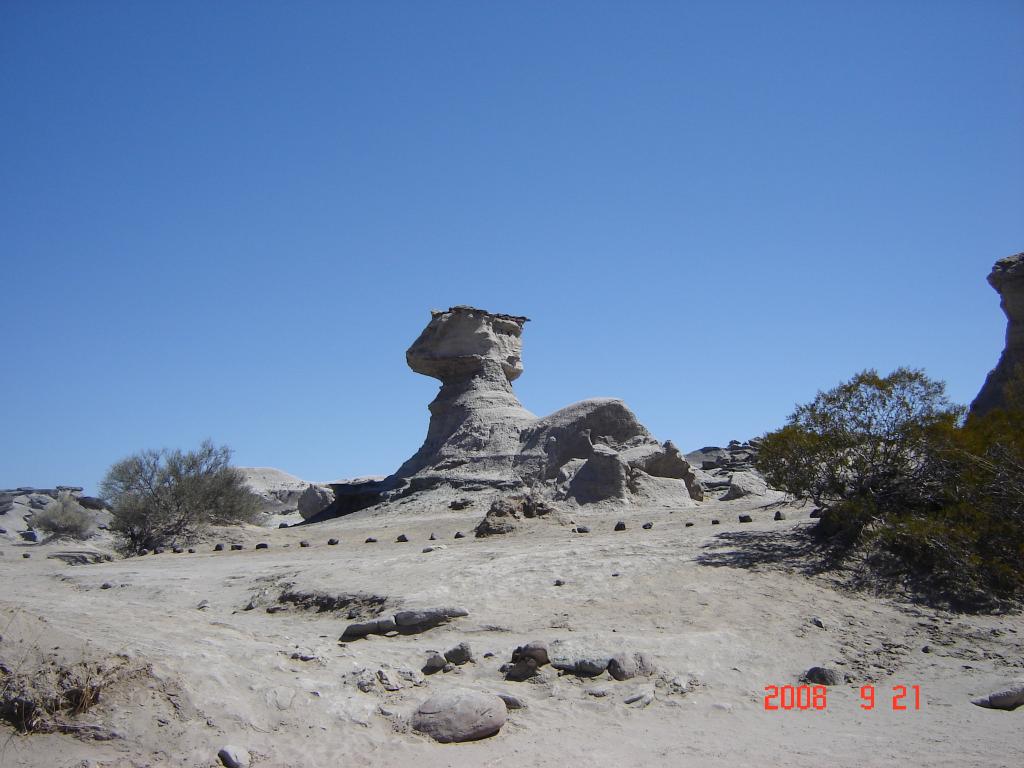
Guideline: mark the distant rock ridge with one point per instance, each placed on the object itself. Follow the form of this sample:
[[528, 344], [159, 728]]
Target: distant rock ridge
[[481, 437], [1007, 278]]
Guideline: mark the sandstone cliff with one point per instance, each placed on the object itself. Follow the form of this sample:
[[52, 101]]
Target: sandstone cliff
[[1007, 277]]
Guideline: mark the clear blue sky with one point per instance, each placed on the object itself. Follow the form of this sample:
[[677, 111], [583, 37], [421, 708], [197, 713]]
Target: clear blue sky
[[230, 219]]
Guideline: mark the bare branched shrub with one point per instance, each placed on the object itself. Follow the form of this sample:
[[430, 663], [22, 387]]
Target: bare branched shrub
[[42, 700], [64, 517], [160, 497]]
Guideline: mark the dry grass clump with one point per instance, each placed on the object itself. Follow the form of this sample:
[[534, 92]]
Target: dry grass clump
[[43, 700], [64, 517]]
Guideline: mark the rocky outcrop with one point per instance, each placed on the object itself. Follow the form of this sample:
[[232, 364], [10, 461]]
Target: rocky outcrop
[[278, 491], [1007, 277], [481, 437], [506, 513]]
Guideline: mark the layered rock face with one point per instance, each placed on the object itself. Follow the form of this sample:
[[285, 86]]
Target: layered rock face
[[1007, 277], [476, 419], [482, 438]]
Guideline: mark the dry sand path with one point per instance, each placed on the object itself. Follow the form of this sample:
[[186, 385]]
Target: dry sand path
[[711, 604]]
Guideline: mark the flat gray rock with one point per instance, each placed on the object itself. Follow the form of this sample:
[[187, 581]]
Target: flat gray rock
[[233, 757], [1008, 698], [577, 659], [426, 618], [460, 714]]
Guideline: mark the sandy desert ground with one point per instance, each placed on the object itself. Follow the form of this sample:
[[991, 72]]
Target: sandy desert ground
[[723, 610]]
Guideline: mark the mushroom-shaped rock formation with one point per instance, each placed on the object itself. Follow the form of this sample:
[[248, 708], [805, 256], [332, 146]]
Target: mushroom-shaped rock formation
[[1007, 277], [476, 419], [481, 438]]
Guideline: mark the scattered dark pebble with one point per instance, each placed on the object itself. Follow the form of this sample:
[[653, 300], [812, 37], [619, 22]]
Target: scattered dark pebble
[[303, 543], [237, 547], [332, 542], [460, 535], [402, 538], [647, 526], [106, 585], [219, 548], [262, 545], [715, 522], [780, 515], [370, 540], [559, 583], [620, 526], [689, 525], [823, 676], [746, 519]]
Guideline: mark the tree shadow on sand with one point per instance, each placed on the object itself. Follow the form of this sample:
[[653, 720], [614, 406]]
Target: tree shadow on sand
[[796, 550]]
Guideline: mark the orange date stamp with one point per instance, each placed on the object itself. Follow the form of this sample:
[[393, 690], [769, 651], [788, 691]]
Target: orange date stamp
[[815, 697]]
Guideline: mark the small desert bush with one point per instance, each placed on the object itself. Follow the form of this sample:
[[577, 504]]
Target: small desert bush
[[64, 517], [163, 497]]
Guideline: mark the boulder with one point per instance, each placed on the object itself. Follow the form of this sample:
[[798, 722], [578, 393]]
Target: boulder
[[1007, 278], [314, 500], [626, 665], [743, 484], [435, 663], [823, 676], [460, 714], [602, 477], [520, 670], [535, 649], [459, 655]]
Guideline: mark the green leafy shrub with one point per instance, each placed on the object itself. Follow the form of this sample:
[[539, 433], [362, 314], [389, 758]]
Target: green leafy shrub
[[163, 497], [931, 499], [867, 438], [64, 517]]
